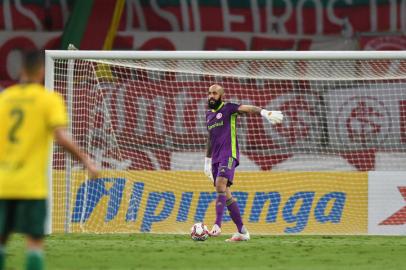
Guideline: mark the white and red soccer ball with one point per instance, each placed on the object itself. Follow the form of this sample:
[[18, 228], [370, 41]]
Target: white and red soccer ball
[[199, 232]]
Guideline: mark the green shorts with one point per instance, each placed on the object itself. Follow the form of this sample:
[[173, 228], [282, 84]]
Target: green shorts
[[23, 216]]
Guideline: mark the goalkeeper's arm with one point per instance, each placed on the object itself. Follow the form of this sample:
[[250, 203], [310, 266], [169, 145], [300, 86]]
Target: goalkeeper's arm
[[275, 117]]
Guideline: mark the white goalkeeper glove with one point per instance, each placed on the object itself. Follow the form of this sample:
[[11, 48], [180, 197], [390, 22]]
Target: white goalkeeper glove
[[275, 117], [207, 168]]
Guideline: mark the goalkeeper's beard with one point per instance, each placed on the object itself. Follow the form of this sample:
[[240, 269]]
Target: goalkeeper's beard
[[214, 105]]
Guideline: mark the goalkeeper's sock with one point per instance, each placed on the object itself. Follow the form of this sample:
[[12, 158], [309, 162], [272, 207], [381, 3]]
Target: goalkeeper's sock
[[235, 215], [34, 260], [220, 204], [2, 257]]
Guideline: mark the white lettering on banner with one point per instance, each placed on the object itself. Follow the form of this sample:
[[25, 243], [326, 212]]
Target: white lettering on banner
[[319, 16], [394, 15], [112, 94], [185, 15], [287, 20], [159, 109], [374, 17], [139, 15], [181, 101], [255, 18], [28, 14], [142, 104], [196, 15], [13, 14], [277, 24], [403, 16], [168, 16], [344, 23], [228, 18], [8, 21]]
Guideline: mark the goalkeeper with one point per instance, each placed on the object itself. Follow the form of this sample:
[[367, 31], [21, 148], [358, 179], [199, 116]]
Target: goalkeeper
[[222, 156]]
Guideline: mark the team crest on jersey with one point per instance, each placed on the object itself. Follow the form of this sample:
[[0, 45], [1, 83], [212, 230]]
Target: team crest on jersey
[[219, 115]]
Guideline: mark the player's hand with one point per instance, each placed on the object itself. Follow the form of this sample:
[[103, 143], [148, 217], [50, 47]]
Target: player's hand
[[92, 169], [207, 168], [275, 117]]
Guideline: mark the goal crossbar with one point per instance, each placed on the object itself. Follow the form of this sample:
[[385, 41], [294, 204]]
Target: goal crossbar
[[229, 55]]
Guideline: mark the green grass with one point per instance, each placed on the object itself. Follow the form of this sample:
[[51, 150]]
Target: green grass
[[144, 251]]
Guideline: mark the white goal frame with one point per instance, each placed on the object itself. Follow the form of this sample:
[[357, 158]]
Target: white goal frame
[[51, 55]]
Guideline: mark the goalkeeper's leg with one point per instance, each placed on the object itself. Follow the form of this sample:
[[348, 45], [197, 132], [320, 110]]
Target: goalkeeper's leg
[[234, 211], [232, 206], [221, 185]]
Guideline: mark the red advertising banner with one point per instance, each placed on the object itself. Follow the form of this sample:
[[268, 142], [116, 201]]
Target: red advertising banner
[[287, 17]]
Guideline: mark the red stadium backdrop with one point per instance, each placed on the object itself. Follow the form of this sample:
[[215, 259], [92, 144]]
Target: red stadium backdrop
[[239, 25], [169, 116]]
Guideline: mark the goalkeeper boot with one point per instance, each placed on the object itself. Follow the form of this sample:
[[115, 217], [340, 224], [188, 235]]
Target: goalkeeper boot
[[238, 237], [215, 231]]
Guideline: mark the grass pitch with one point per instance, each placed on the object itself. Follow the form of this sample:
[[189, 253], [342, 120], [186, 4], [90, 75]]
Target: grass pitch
[[146, 251]]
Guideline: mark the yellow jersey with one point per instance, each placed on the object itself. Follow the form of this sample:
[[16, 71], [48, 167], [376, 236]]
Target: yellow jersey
[[29, 115]]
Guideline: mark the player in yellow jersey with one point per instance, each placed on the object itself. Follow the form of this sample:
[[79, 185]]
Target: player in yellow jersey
[[30, 117]]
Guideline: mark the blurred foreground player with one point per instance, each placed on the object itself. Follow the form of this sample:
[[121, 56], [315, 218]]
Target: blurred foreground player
[[30, 117]]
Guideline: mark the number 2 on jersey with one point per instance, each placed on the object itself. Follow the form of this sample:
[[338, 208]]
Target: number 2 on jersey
[[17, 114]]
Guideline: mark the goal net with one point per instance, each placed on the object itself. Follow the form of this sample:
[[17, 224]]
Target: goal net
[[141, 116]]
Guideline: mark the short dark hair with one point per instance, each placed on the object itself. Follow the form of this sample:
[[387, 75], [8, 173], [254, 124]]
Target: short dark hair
[[33, 60]]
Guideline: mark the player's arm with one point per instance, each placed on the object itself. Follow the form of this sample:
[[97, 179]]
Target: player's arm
[[62, 138], [275, 117], [207, 160]]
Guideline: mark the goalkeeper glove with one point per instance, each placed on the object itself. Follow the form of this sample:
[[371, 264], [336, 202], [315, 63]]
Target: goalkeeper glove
[[275, 117], [207, 168]]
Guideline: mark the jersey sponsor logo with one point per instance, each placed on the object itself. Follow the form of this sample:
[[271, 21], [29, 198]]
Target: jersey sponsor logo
[[219, 115], [147, 207], [218, 124]]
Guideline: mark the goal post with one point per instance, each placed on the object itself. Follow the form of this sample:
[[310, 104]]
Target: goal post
[[340, 151]]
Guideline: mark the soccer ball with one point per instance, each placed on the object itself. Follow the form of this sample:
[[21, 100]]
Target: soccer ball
[[199, 232]]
